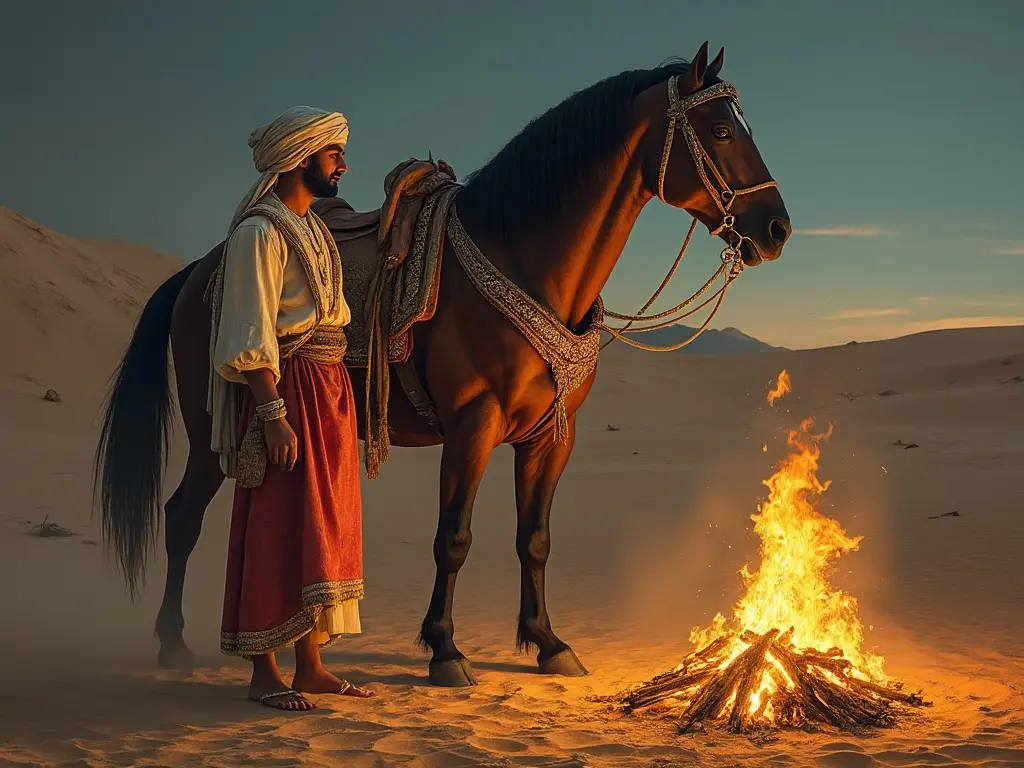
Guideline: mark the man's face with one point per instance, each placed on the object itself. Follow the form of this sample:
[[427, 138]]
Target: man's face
[[323, 171]]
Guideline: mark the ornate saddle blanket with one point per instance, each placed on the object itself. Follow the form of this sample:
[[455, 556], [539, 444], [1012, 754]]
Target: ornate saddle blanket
[[391, 265], [391, 257]]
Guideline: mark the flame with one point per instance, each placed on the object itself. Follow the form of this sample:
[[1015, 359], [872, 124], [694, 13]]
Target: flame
[[790, 588], [782, 387]]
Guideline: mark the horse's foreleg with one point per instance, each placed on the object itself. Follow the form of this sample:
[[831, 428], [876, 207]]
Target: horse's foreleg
[[538, 467], [468, 445], [183, 521]]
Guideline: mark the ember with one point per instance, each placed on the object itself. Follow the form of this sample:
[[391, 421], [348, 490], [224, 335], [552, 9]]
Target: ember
[[791, 654]]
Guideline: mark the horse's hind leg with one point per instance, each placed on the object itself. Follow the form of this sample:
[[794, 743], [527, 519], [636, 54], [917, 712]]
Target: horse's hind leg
[[183, 521], [184, 511], [467, 448]]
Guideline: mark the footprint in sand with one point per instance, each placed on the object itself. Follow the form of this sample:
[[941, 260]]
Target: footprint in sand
[[846, 759], [505, 746], [572, 738], [981, 754]]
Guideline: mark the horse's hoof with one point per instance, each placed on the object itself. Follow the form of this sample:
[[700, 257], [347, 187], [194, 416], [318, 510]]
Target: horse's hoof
[[454, 673], [178, 657], [564, 663]]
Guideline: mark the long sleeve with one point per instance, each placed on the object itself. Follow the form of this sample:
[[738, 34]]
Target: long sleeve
[[253, 279]]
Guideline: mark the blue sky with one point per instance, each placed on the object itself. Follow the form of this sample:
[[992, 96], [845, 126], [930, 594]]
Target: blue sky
[[895, 130]]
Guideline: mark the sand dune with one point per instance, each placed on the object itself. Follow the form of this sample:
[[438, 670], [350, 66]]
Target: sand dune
[[651, 525], [70, 301]]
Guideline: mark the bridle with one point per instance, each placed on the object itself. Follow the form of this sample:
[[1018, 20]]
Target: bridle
[[723, 196]]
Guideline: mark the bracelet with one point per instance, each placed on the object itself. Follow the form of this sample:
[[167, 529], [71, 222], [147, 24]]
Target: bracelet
[[270, 411]]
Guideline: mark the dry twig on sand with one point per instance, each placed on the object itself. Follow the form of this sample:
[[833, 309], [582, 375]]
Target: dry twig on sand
[[47, 530]]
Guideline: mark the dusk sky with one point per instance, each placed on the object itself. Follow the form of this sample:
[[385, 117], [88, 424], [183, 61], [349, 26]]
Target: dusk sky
[[895, 130]]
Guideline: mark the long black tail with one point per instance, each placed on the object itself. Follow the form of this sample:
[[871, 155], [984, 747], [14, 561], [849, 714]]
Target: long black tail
[[132, 453]]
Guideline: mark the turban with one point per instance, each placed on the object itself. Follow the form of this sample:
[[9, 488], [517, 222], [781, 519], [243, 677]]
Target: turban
[[281, 145]]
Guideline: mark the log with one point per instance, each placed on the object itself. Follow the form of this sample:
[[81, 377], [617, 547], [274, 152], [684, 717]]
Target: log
[[694, 671], [893, 693], [712, 648], [671, 685], [824, 689], [804, 689], [751, 678], [840, 706], [716, 694]]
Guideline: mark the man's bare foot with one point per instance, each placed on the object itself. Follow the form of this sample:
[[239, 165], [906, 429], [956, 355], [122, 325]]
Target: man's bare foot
[[321, 681], [270, 690]]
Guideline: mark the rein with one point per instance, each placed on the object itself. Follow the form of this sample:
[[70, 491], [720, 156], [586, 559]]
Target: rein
[[722, 195]]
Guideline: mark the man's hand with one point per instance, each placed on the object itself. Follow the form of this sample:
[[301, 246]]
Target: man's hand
[[282, 443]]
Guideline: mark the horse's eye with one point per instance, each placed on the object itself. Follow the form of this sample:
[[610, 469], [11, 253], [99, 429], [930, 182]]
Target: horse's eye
[[722, 132]]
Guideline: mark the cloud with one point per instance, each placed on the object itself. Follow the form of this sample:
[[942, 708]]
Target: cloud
[[999, 246], [992, 301], [1010, 250], [863, 314], [862, 231]]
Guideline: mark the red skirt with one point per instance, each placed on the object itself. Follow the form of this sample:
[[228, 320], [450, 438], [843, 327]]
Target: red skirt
[[295, 550]]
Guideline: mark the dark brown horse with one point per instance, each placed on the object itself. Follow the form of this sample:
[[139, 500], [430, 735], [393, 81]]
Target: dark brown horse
[[552, 211]]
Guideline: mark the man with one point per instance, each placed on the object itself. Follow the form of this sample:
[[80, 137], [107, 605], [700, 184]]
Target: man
[[284, 417]]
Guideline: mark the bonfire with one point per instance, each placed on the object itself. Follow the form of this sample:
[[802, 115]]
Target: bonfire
[[792, 653]]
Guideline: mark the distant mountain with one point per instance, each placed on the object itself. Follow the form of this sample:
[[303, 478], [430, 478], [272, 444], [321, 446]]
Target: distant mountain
[[727, 341]]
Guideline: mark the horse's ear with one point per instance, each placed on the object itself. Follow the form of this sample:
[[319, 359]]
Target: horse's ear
[[698, 67], [715, 67]]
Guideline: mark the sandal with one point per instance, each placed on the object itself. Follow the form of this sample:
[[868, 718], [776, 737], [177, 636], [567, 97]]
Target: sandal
[[347, 689], [288, 692]]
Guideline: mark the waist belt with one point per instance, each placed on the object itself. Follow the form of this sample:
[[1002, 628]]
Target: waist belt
[[326, 345]]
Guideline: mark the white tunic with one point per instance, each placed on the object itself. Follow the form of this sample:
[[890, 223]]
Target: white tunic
[[266, 296]]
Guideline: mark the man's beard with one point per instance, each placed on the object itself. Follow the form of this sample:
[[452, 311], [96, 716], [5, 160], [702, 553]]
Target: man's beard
[[318, 184]]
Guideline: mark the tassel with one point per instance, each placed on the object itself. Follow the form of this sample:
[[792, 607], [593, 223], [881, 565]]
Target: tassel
[[383, 436], [561, 420], [372, 461]]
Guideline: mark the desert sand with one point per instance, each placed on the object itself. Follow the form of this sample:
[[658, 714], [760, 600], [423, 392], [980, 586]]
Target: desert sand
[[650, 527]]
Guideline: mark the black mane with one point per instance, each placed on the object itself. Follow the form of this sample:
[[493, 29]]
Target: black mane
[[558, 156]]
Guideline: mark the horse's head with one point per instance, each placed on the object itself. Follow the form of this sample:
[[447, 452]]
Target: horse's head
[[702, 158]]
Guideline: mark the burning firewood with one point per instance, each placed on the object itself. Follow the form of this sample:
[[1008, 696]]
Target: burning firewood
[[746, 672], [753, 681]]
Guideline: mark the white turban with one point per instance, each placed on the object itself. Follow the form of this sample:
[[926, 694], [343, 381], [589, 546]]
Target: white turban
[[280, 146]]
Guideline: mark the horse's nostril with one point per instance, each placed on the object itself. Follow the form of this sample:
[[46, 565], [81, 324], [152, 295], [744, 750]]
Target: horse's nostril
[[779, 231]]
